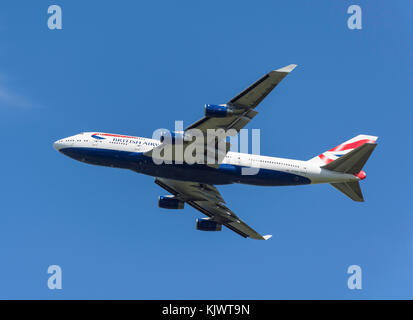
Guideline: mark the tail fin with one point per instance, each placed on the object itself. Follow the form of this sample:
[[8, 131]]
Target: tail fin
[[342, 149], [349, 157], [353, 161]]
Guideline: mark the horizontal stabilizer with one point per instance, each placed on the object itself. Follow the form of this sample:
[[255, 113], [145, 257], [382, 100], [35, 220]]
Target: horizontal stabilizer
[[350, 189]]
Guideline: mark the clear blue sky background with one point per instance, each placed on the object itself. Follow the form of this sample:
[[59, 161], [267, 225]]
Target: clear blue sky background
[[131, 67]]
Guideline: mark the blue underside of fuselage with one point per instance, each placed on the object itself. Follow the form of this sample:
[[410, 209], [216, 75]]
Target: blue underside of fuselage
[[225, 174]]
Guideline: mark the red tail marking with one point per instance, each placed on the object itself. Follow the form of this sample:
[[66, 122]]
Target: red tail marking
[[325, 159], [352, 145]]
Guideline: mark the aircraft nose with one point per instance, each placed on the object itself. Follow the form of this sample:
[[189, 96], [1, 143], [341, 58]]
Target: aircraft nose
[[57, 145]]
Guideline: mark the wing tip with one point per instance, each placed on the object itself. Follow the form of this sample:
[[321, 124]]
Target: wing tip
[[268, 236], [287, 69]]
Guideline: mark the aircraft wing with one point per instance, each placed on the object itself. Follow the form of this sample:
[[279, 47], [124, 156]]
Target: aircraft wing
[[243, 111], [207, 199], [244, 103]]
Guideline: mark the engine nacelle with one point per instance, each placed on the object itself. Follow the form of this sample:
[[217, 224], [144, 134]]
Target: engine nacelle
[[169, 202], [206, 224], [217, 111]]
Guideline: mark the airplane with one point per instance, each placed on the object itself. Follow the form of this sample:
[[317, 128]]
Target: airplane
[[194, 184]]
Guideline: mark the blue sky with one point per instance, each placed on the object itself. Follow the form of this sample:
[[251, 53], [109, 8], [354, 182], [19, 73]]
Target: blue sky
[[131, 67]]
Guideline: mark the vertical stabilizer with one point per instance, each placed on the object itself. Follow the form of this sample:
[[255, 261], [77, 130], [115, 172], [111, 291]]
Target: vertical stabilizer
[[342, 149]]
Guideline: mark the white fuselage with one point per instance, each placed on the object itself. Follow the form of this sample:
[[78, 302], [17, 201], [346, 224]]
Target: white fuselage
[[89, 146]]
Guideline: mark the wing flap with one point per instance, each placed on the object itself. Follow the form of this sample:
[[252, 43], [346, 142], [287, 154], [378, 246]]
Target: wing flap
[[193, 191]]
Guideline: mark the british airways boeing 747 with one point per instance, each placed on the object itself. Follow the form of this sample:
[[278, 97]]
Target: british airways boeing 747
[[193, 183]]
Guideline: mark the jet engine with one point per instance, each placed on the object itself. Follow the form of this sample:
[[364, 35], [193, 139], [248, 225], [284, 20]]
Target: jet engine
[[217, 111], [205, 224], [170, 202]]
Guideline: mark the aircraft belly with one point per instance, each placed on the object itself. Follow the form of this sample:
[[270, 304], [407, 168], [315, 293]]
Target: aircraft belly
[[225, 174]]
